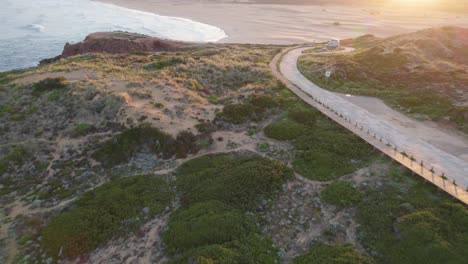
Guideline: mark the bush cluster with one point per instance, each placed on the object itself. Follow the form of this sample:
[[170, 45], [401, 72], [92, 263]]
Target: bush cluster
[[48, 84], [163, 64], [253, 109], [323, 150], [104, 212], [327, 254], [82, 130], [303, 115], [406, 222], [16, 155], [213, 225], [145, 139], [285, 130], [341, 194], [236, 180]]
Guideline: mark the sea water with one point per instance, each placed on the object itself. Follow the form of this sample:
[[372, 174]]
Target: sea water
[[32, 30]]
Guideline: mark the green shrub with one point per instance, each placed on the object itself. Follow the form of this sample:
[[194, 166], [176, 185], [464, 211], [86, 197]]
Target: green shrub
[[186, 143], [24, 239], [341, 194], [145, 139], [326, 254], [206, 127], [17, 117], [207, 223], [212, 226], [163, 64], [140, 139], [236, 180], [252, 110], [406, 222], [6, 109], [238, 113], [48, 84], [284, 130], [209, 254], [54, 95], [262, 102], [253, 249], [264, 146], [327, 151], [104, 212], [305, 116], [82, 130], [158, 105], [3, 167], [17, 155]]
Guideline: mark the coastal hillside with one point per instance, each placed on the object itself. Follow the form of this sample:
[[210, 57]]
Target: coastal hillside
[[198, 154], [423, 73]]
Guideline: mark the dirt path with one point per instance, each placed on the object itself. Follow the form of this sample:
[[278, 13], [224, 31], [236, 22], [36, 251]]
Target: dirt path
[[381, 130]]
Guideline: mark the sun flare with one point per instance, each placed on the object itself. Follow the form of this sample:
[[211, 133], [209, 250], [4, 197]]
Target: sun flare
[[414, 2]]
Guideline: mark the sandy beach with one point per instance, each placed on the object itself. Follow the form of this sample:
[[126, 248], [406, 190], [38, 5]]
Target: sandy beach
[[265, 23]]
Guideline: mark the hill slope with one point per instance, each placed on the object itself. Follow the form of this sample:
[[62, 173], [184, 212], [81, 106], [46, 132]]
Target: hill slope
[[199, 155], [424, 72]]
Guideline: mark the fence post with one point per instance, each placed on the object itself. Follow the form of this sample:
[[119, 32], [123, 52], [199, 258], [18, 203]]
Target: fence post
[[443, 179]]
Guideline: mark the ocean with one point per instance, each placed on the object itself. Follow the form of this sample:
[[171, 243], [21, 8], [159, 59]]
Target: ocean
[[34, 30]]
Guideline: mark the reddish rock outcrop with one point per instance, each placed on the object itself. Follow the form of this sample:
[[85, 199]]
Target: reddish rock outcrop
[[117, 43], [120, 42]]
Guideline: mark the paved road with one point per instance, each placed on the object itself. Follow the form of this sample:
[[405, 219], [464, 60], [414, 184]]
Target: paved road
[[452, 167]]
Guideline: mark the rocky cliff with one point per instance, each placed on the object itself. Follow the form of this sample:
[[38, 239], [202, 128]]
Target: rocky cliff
[[118, 42]]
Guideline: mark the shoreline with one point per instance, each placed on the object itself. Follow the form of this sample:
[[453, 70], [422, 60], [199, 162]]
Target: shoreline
[[264, 23]]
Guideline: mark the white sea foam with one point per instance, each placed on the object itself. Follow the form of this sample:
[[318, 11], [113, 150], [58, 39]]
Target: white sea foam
[[34, 30], [39, 28]]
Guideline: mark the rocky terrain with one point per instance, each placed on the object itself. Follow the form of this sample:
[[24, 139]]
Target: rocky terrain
[[193, 155]]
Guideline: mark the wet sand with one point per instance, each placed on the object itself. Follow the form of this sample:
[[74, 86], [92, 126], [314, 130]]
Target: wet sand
[[287, 24]]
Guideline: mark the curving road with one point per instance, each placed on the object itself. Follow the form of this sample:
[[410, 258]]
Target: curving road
[[378, 131]]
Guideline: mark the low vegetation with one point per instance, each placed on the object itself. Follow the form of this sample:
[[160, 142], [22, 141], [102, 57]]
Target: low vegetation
[[236, 180], [341, 194], [285, 130], [113, 208], [48, 85], [163, 63], [82, 130], [253, 109], [145, 139], [323, 150], [405, 221], [16, 156], [327, 254], [213, 225]]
